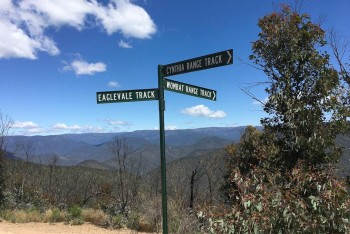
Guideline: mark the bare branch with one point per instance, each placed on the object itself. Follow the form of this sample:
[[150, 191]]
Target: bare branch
[[339, 47], [5, 126]]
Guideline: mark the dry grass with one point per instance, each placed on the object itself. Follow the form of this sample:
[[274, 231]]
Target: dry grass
[[145, 223], [21, 216], [96, 217], [53, 216]]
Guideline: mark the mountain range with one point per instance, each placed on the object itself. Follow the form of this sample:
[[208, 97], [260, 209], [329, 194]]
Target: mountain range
[[93, 148]]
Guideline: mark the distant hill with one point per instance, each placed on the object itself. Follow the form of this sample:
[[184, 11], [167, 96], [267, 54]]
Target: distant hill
[[73, 149], [92, 149], [344, 162]]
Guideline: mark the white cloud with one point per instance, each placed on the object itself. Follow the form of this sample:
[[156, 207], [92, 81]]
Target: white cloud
[[170, 127], [25, 124], [81, 67], [76, 128], [203, 111], [124, 44], [23, 24], [60, 12], [129, 19], [27, 128], [63, 126], [15, 43], [113, 84], [117, 122], [31, 131]]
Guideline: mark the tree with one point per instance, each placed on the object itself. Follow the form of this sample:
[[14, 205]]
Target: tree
[[5, 126], [304, 110], [285, 172], [305, 199], [340, 46], [28, 149], [128, 170]]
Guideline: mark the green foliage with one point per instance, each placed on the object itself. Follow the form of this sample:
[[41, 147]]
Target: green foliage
[[306, 199], [118, 221], [304, 110], [255, 148], [74, 215], [281, 180], [55, 216]]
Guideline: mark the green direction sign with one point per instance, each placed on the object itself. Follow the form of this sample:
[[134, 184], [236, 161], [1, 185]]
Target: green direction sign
[[127, 96], [196, 91], [218, 59]]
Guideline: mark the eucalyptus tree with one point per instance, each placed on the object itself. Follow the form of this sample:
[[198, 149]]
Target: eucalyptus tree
[[303, 105]]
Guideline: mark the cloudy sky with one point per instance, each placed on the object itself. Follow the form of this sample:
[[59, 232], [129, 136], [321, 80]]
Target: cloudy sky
[[56, 54]]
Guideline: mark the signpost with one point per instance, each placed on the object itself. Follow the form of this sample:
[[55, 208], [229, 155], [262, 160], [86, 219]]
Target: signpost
[[200, 63], [188, 89], [127, 96], [218, 59]]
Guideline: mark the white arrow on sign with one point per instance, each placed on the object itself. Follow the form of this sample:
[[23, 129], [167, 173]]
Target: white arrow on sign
[[230, 57], [214, 98]]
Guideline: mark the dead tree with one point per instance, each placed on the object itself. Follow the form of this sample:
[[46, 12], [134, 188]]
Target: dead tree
[[129, 171], [5, 126]]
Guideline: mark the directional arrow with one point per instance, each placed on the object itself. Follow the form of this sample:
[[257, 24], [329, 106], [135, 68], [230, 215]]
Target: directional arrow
[[218, 59], [188, 89], [230, 56]]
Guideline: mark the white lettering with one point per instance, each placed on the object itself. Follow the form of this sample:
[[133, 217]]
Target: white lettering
[[194, 64], [213, 60], [151, 94], [126, 96], [174, 86], [109, 97], [192, 90], [145, 95], [175, 69], [205, 93]]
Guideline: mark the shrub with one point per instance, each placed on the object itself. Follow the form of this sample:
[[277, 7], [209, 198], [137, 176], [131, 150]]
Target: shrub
[[15, 216], [141, 223], [96, 217], [21, 216], [54, 216], [33, 215], [118, 221], [74, 215], [313, 201]]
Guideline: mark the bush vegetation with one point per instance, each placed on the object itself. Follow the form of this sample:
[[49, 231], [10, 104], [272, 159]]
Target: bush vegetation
[[282, 179], [278, 180]]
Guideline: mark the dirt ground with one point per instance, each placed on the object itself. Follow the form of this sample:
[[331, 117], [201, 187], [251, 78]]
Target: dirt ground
[[56, 228]]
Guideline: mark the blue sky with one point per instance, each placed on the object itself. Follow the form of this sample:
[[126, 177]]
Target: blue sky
[[56, 54]]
